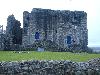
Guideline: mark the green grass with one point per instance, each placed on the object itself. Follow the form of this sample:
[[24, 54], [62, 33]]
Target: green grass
[[33, 55]]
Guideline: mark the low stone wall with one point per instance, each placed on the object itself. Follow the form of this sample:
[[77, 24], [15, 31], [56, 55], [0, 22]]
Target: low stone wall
[[50, 67]]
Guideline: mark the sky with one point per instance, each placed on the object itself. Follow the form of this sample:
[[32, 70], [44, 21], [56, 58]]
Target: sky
[[16, 7]]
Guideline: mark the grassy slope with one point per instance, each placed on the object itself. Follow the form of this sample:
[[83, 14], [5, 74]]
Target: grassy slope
[[11, 56]]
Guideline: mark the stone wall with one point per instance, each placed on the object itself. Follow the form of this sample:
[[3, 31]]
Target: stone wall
[[56, 25], [1, 37], [50, 67], [2, 41]]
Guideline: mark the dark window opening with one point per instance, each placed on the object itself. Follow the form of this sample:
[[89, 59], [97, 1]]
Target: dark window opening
[[37, 35], [68, 39]]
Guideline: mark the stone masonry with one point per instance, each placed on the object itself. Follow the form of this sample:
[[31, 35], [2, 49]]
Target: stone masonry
[[63, 27], [50, 67], [2, 37]]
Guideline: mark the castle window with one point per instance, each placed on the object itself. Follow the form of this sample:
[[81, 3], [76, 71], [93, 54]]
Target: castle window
[[27, 18], [56, 31], [37, 35], [68, 39]]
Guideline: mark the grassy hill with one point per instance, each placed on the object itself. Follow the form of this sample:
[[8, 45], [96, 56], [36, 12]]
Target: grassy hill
[[33, 55]]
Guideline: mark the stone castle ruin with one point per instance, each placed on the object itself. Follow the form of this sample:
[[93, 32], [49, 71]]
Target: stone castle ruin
[[1, 37], [46, 28], [64, 28]]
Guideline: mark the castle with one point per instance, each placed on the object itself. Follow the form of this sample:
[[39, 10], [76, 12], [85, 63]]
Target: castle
[[64, 28]]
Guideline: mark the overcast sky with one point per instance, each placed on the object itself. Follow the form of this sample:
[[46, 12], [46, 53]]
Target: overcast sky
[[92, 7]]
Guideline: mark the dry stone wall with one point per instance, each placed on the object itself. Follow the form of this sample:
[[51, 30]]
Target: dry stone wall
[[50, 67]]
